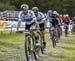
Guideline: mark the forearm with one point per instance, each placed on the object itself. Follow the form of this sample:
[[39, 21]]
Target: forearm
[[45, 23], [18, 25]]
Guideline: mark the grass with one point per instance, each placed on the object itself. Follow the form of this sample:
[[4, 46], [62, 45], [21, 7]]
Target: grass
[[12, 48], [10, 45]]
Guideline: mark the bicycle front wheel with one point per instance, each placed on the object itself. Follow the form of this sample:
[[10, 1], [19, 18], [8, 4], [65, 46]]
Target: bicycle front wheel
[[53, 39], [29, 49]]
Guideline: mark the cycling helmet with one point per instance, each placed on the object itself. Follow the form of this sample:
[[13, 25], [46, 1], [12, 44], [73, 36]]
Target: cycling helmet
[[35, 9], [55, 12], [50, 12], [24, 6], [66, 15]]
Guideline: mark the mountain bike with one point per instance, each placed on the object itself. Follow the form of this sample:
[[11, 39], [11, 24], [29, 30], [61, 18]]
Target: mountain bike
[[30, 48]]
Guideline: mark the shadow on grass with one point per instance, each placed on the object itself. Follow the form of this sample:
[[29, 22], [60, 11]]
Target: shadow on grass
[[68, 42], [8, 35], [6, 43], [61, 55], [65, 58], [67, 48], [9, 44]]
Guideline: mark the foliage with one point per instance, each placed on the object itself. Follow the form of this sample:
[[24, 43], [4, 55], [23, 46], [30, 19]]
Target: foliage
[[62, 6]]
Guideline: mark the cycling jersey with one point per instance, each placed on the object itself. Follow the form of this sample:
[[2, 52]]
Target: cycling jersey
[[73, 20], [40, 17], [49, 19], [52, 20], [66, 19], [28, 18]]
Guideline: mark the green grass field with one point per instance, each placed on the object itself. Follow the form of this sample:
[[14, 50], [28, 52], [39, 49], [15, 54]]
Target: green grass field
[[12, 48]]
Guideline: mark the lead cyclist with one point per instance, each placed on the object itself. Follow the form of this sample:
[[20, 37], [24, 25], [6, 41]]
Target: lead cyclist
[[41, 21], [29, 18]]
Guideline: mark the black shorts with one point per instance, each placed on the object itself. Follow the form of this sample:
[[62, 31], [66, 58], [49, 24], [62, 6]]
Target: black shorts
[[28, 26], [66, 23], [42, 27]]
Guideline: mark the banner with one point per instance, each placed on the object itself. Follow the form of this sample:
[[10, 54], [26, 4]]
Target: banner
[[11, 25], [3, 24]]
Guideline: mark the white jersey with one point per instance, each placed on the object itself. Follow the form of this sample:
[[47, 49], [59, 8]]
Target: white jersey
[[40, 17], [28, 18]]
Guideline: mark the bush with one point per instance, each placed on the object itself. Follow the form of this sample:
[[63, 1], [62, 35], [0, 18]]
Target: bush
[[6, 7]]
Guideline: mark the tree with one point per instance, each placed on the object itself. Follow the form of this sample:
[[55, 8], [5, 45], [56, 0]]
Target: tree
[[62, 6]]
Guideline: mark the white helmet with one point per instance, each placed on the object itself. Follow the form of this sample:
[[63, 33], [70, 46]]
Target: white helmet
[[24, 6], [66, 15], [55, 12]]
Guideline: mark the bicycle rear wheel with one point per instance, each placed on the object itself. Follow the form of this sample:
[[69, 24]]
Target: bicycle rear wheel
[[41, 43]]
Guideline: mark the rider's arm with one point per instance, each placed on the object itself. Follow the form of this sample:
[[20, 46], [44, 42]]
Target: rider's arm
[[18, 25], [59, 20], [45, 23], [44, 20], [19, 21]]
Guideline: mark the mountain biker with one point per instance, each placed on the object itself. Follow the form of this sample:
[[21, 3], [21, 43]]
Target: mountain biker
[[29, 18], [54, 21], [41, 21], [66, 21], [50, 20], [59, 22], [73, 22]]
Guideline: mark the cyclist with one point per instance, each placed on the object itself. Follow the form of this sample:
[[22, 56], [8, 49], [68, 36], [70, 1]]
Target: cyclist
[[73, 22], [66, 21], [30, 20], [41, 21], [50, 20], [59, 22], [53, 21]]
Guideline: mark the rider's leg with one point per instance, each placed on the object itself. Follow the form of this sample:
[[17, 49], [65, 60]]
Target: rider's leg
[[50, 34], [57, 37], [51, 25], [66, 28], [42, 30], [59, 31], [43, 38], [33, 27], [35, 35]]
